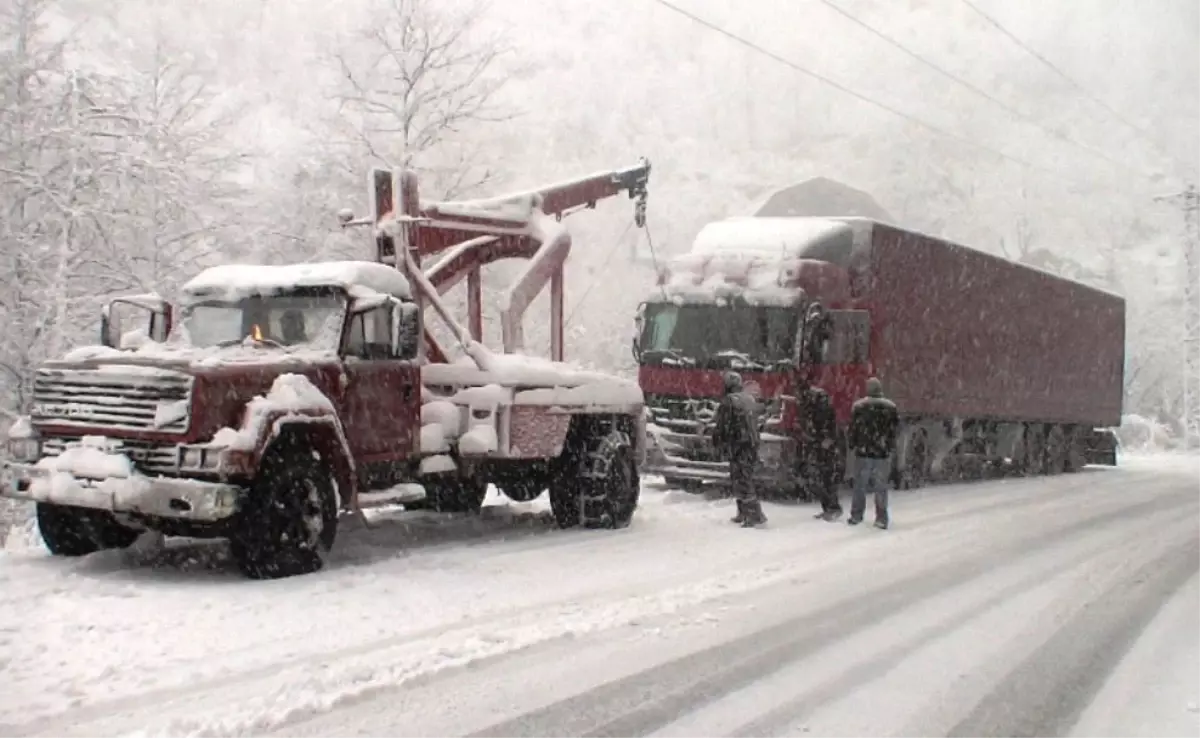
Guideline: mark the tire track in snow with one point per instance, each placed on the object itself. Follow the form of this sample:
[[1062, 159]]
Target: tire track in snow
[[571, 615], [1054, 685], [607, 547], [652, 699]]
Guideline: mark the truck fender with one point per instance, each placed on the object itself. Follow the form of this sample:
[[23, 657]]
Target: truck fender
[[325, 434]]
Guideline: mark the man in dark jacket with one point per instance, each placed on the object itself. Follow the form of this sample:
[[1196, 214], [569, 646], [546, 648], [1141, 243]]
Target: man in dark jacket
[[873, 427], [735, 436], [822, 435]]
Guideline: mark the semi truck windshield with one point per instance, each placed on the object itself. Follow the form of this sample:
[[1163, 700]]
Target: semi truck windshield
[[715, 336], [309, 318]]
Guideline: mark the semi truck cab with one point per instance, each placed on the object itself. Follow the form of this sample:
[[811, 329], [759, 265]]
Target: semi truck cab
[[750, 297]]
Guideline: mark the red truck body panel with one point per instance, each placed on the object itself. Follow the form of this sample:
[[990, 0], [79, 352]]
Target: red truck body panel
[[957, 332]]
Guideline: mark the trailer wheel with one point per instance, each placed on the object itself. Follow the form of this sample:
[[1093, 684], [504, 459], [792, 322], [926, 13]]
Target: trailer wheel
[[78, 531], [1076, 452], [917, 462], [1056, 451], [1034, 451], [598, 488], [290, 518]]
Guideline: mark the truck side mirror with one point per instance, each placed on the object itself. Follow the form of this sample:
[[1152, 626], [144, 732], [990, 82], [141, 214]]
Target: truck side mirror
[[639, 323], [813, 334], [406, 323], [129, 322]]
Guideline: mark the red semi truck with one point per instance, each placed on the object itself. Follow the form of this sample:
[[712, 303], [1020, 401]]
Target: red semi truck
[[989, 361], [279, 397]]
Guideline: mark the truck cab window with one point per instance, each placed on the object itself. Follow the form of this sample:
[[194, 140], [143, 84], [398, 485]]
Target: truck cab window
[[370, 334], [849, 337]]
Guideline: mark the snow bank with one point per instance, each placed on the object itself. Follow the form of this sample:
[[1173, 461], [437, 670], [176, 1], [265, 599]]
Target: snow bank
[[1139, 433], [235, 281], [292, 396]]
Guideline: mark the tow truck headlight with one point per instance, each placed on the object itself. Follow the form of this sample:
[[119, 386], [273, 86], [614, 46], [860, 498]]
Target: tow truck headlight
[[199, 458], [24, 450]]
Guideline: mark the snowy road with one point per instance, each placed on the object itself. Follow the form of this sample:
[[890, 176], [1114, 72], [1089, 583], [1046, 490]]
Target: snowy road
[[1022, 607]]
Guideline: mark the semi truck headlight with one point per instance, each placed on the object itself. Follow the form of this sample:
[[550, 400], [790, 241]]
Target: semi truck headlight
[[25, 450]]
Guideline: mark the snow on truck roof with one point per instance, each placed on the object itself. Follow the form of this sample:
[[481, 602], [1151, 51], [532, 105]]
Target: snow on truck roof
[[787, 238], [252, 279]]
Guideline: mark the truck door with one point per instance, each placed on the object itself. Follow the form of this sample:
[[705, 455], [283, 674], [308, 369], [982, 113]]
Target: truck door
[[381, 402], [846, 362]]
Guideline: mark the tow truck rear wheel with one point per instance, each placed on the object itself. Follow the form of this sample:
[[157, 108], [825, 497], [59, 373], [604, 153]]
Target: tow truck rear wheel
[[79, 531], [597, 486], [290, 518]]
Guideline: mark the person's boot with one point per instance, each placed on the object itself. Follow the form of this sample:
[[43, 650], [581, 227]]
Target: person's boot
[[754, 515], [741, 513]]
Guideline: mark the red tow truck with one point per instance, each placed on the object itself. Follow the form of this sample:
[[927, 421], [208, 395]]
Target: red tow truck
[[991, 363], [276, 398]]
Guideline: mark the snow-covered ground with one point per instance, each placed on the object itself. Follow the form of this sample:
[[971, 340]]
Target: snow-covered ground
[[983, 599]]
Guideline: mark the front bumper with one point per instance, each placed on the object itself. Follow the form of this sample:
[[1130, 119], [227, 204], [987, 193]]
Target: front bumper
[[164, 497], [671, 454]]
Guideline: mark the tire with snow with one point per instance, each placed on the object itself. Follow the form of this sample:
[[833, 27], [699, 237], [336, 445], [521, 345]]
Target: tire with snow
[[291, 513], [597, 486], [79, 531]]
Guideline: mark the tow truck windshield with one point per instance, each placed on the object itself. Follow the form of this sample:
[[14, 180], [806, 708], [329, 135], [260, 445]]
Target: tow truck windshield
[[306, 317], [742, 337]]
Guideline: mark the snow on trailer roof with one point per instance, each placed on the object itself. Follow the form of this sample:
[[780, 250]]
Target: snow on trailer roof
[[254, 279], [788, 238]]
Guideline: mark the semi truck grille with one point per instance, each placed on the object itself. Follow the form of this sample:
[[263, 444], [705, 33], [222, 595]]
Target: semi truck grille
[[157, 400], [681, 414], [147, 457]]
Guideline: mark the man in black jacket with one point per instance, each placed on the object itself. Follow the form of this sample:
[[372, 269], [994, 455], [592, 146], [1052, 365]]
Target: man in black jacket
[[873, 427], [822, 435], [735, 436]]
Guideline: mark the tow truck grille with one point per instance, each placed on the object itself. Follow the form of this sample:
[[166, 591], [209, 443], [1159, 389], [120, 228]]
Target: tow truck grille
[[117, 400], [147, 457]]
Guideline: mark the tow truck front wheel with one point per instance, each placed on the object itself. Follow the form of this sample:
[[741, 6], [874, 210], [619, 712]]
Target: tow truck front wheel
[[79, 531], [290, 516], [598, 488]]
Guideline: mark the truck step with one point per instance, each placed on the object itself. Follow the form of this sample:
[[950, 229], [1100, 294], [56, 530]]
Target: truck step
[[401, 493]]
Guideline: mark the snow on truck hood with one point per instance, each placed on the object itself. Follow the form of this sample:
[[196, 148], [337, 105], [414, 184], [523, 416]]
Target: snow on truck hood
[[156, 356]]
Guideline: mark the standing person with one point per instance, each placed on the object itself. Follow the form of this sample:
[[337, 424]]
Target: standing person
[[873, 427], [735, 436], [822, 424]]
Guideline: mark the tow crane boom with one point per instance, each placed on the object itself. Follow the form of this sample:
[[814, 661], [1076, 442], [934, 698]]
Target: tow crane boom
[[472, 233]]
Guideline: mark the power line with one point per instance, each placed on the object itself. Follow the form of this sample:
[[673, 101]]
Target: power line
[[1141, 132], [869, 100], [982, 93]]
